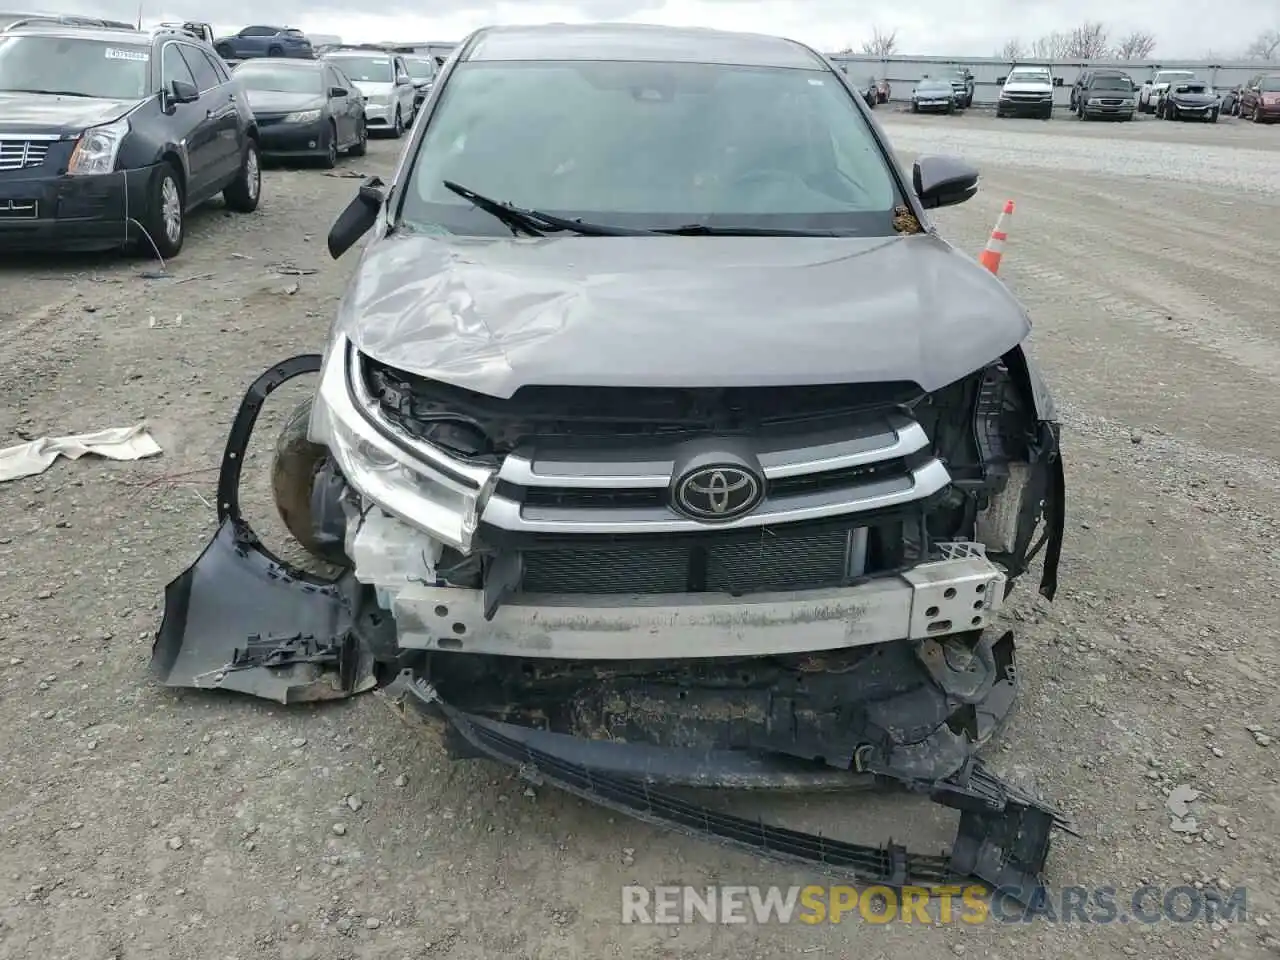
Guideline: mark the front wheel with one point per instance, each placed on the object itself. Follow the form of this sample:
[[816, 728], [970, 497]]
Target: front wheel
[[294, 469], [397, 130], [242, 194], [330, 158], [362, 141], [166, 221]]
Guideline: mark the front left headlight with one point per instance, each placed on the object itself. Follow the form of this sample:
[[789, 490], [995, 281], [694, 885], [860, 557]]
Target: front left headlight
[[409, 479], [96, 151], [303, 116]]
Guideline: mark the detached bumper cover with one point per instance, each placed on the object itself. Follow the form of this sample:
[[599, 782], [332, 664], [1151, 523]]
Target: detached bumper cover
[[241, 619]]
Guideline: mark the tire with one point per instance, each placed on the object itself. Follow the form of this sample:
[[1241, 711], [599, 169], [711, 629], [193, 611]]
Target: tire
[[166, 218], [915, 108], [1048, 114], [243, 193], [362, 142], [397, 129], [275, 51], [1213, 117], [330, 158], [293, 471], [1257, 114]]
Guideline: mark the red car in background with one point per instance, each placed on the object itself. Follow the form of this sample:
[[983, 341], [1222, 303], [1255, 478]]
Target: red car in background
[[1260, 98]]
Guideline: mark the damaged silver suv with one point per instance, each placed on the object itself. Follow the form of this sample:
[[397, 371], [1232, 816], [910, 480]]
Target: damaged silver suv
[[661, 442]]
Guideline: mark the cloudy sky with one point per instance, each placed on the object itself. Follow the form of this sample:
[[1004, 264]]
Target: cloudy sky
[[966, 27]]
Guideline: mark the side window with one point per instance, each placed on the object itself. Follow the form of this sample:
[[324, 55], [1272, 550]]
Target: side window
[[218, 67], [206, 77], [173, 67], [343, 80], [257, 32]]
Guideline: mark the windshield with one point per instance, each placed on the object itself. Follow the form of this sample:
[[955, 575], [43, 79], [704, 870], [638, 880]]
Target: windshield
[[1190, 88], [75, 67], [1023, 76], [652, 145], [1111, 83], [1270, 85], [366, 69], [278, 79], [933, 85], [421, 69], [1173, 76]]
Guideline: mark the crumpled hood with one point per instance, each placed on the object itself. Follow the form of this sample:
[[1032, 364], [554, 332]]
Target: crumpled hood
[[46, 113], [494, 315], [1194, 98]]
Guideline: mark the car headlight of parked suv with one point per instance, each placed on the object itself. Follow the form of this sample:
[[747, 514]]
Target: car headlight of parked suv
[[96, 150], [303, 116]]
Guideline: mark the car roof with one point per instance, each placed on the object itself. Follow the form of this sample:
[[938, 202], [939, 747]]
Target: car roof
[[104, 34], [282, 62], [628, 41]]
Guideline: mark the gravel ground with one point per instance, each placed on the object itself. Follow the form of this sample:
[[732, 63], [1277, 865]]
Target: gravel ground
[[135, 822]]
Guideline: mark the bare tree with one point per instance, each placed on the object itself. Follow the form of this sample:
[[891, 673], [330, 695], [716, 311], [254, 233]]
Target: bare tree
[[881, 44], [1088, 41], [1052, 46], [1136, 46], [1012, 50], [1265, 47]]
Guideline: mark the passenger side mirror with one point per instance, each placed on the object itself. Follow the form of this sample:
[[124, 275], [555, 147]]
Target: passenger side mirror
[[337, 91], [402, 78], [360, 214], [182, 92], [943, 181]]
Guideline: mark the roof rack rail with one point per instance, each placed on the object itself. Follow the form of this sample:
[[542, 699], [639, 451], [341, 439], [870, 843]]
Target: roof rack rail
[[71, 20]]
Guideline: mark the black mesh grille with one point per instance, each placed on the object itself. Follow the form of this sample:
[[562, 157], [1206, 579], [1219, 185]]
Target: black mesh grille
[[771, 563]]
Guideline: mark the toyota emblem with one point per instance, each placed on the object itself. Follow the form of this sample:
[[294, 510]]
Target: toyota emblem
[[720, 492]]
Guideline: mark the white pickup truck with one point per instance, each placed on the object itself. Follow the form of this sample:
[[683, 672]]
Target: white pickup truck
[[1150, 91]]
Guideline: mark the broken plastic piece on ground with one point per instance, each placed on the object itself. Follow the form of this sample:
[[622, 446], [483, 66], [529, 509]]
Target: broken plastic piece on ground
[[115, 443], [287, 635], [1003, 838]]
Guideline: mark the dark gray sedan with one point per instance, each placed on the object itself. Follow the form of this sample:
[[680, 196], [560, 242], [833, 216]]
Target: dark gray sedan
[[304, 109], [933, 96]]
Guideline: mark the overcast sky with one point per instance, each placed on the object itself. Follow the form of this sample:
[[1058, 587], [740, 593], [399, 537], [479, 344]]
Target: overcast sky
[[966, 27]]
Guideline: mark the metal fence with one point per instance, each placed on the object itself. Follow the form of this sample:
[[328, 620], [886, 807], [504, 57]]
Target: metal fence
[[989, 72]]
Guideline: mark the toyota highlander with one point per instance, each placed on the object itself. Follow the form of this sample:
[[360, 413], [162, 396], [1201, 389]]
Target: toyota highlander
[[659, 440]]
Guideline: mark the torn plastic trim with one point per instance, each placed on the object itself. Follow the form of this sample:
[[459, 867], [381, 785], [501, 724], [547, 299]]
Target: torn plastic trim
[[242, 619], [1003, 839]]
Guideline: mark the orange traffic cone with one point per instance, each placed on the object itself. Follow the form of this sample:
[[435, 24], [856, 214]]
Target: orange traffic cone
[[990, 257]]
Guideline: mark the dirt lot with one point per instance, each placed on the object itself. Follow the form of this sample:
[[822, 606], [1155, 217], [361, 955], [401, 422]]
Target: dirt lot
[[139, 823]]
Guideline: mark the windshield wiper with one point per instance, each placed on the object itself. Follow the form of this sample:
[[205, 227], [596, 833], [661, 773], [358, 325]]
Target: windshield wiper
[[703, 230], [52, 93], [536, 223]]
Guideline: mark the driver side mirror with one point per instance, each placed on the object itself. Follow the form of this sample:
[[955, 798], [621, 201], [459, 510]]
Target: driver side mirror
[[337, 91], [182, 92], [360, 214], [402, 78], [943, 181]]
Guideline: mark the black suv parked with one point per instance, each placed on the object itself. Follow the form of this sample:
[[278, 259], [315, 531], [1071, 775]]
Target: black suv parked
[[108, 137], [1087, 77]]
